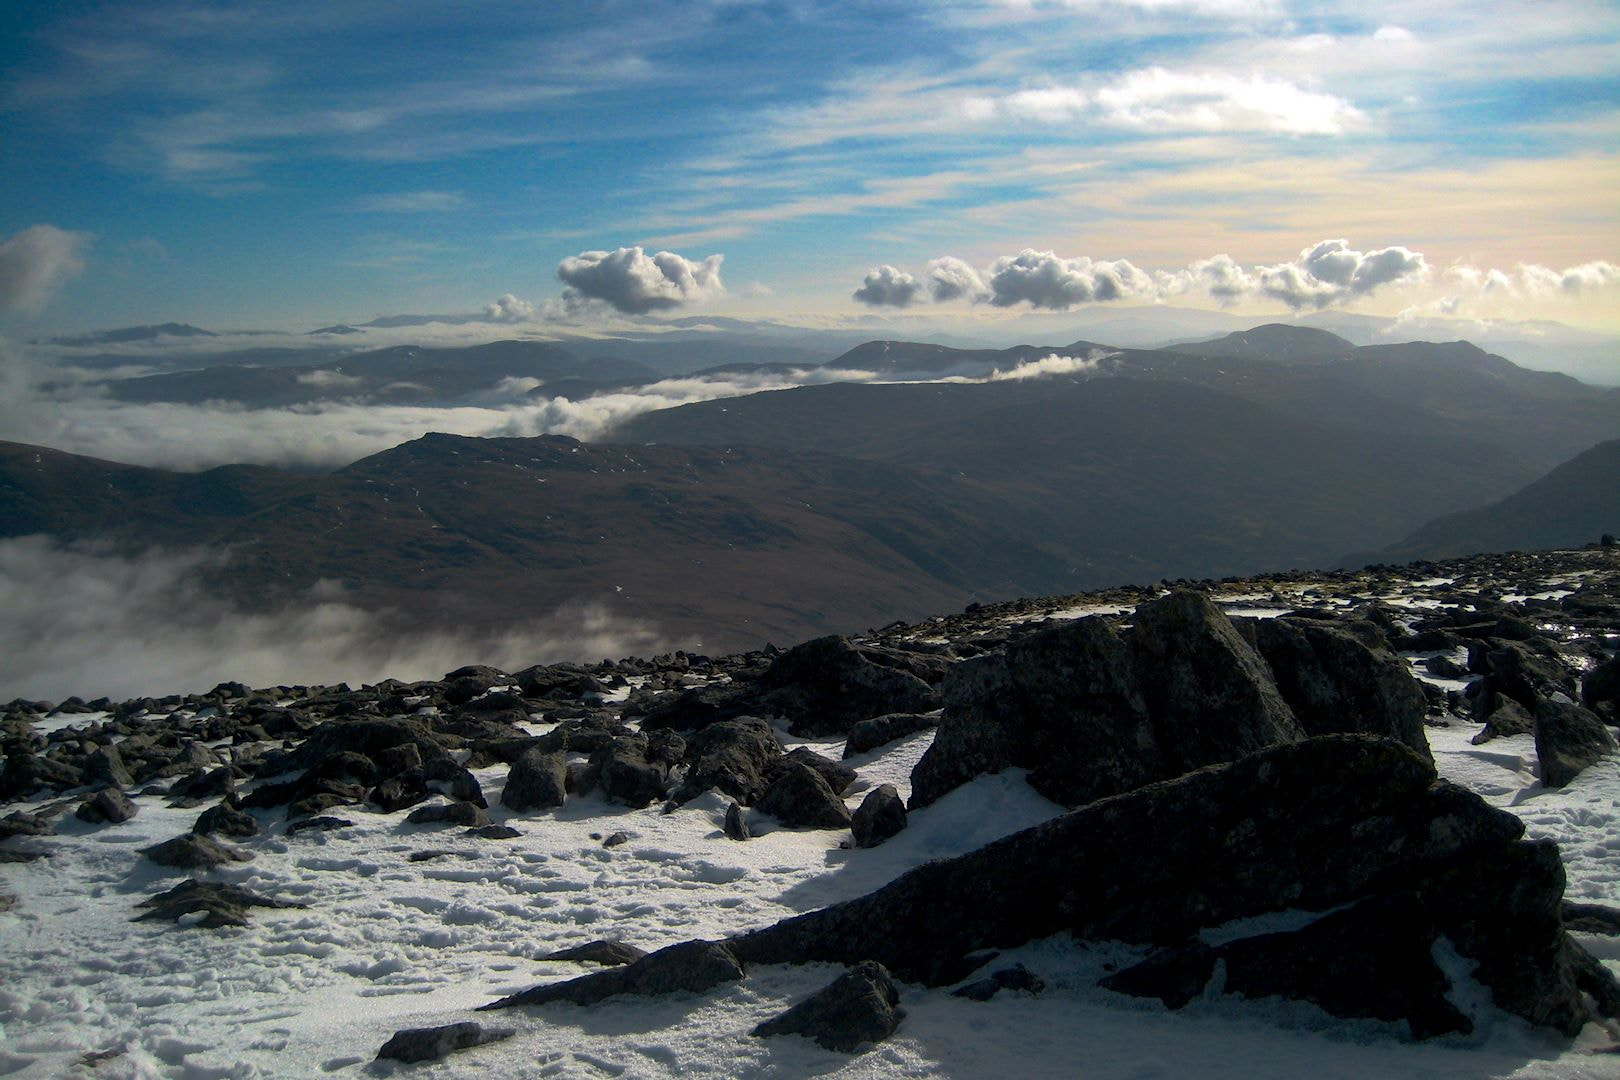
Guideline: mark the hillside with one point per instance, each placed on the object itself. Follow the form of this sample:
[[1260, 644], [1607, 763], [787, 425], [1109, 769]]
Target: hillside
[[1575, 504]]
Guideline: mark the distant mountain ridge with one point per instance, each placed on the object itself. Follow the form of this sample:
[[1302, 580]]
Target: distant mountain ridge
[[1574, 504]]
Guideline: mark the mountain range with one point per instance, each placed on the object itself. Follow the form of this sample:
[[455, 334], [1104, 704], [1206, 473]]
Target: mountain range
[[976, 475]]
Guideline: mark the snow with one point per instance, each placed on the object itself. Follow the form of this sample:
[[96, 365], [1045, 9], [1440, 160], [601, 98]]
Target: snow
[[387, 943]]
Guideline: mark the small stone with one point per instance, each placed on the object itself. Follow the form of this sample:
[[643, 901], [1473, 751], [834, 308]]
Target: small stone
[[737, 824]]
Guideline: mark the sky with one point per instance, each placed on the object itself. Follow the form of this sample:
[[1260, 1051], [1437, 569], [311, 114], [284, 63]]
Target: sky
[[294, 165]]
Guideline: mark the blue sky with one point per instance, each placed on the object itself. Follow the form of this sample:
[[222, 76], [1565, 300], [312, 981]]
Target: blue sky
[[296, 164]]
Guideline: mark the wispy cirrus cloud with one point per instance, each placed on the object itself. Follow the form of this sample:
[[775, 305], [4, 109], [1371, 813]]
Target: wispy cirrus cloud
[[411, 202]]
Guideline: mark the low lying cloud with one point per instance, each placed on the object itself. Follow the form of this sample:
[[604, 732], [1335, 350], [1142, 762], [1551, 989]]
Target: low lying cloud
[[509, 309], [631, 281], [34, 262], [887, 287], [950, 278], [1053, 364], [83, 620]]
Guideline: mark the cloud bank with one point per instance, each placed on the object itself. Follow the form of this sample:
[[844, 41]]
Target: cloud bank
[[82, 620], [34, 262], [629, 280], [1326, 274]]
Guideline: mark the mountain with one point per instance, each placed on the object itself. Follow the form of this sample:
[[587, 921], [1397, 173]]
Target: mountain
[[1277, 342], [1575, 504], [125, 335], [405, 374], [726, 547]]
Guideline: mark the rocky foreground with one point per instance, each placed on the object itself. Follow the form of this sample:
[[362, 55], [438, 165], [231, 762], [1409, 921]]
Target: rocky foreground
[[1252, 754]]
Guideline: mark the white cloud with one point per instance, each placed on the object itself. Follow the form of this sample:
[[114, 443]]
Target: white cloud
[[411, 202], [34, 262], [1042, 279], [1054, 364], [885, 286], [1157, 99], [630, 280], [509, 309], [81, 619], [950, 278]]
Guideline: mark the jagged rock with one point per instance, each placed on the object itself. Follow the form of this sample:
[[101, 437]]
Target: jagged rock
[[318, 824], [1592, 918], [1017, 978], [1336, 684], [1601, 686], [1505, 717], [368, 736], [107, 806], [558, 682], [882, 730], [537, 781], [1443, 667], [1211, 696], [1063, 702], [617, 839], [398, 792], [838, 775], [192, 852], [695, 708], [860, 1006], [882, 814], [105, 765], [227, 820], [734, 757], [204, 784], [800, 798], [466, 683], [454, 813], [495, 832], [825, 686], [1376, 959], [736, 825], [395, 760], [1311, 826], [18, 823], [1568, 739], [445, 776], [624, 774], [347, 766], [607, 953], [226, 905], [431, 1044], [693, 966], [25, 773]]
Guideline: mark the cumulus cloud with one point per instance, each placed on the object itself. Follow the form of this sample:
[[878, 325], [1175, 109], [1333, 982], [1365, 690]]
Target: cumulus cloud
[[950, 278], [1332, 272], [631, 281], [1533, 280], [887, 287], [81, 619], [509, 309], [1042, 279], [34, 262]]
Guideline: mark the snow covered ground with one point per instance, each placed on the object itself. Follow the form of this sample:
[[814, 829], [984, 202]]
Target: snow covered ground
[[387, 943]]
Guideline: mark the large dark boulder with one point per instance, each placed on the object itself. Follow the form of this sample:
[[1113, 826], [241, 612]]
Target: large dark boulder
[[1600, 688], [623, 773], [536, 782], [25, 773], [825, 686], [1063, 702], [838, 775], [800, 798], [735, 757], [222, 905], [107, 806], [882, 814], [1211, 696], [194, 852], [1310, 826], [859, 1007], [1335, 683], [693, 966], [1568, 739]]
